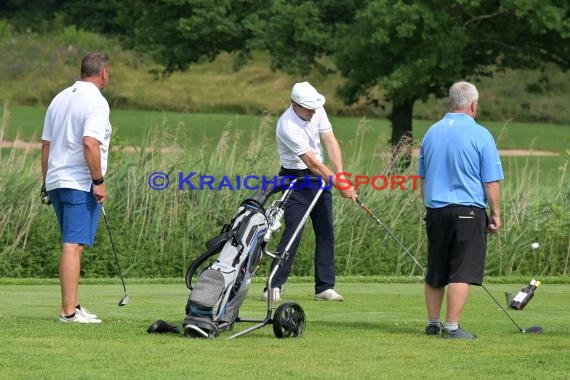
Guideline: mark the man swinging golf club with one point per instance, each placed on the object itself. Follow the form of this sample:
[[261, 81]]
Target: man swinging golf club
[[75, 144], [299, 132], [460, 169]]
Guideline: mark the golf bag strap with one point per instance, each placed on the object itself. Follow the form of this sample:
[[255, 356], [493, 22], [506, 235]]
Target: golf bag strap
[[213, 246], [215, 242], [227, 230], [201, 259]]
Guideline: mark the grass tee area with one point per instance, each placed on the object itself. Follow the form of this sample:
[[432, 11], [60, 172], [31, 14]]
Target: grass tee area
[[377, 333]]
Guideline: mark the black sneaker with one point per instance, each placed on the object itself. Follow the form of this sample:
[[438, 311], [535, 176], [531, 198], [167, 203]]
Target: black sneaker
[[457, 334], [433, 330]]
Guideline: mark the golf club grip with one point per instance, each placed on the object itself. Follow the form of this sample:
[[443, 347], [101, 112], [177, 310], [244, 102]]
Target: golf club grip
[[368, 211]]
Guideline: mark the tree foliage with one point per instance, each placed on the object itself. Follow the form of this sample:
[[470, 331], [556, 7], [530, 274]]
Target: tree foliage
[[180, 32], [298, 33], [410, 49]]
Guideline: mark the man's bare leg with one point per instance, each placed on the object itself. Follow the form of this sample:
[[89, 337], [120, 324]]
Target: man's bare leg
[[69, 272]]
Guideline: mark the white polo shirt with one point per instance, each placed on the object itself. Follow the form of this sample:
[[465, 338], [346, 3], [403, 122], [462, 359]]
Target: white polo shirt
[[296, 136], [76, 112]]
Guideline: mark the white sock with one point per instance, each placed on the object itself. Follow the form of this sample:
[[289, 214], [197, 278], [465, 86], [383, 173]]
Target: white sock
[[433, 322], [451, 326]]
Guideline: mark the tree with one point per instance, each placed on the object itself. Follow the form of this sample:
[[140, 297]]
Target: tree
[[29, 14], [419, 48], [298, 33], [180, 32], [109, 17], [409, 49], [176, 33], [414, 49]]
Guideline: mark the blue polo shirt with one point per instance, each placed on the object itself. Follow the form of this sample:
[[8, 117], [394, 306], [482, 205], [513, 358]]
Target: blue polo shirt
[[457, 157]]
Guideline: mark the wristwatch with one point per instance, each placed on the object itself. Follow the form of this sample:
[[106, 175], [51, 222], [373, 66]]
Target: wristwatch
[[98, 181]]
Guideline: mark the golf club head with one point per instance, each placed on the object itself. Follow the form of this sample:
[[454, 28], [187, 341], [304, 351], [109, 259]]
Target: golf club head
[[124, 301], [163, 327], [509, 298], [534, 330]]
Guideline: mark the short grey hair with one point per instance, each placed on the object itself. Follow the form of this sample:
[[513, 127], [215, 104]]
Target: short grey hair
[[461, 95], [93, 64]]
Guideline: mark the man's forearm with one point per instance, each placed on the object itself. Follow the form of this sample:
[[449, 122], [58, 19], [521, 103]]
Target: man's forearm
[[493, 192], [92, 153], [318, 168], [335, 155]]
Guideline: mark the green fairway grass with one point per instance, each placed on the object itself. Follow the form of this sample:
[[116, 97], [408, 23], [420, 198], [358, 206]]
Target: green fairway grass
[[377, 333], [131, 126]]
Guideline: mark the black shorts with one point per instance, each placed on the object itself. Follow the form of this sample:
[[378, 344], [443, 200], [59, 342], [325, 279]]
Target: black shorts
[[457, 245]]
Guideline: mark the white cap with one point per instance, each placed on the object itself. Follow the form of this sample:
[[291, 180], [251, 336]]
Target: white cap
[[307, 96]]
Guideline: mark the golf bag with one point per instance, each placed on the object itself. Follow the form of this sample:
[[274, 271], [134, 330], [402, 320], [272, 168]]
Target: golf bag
[[221, 288]]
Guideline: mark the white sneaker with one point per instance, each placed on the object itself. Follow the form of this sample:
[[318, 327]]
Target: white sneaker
[[276, 294], [328, 295], [85, 312], [79, 318]]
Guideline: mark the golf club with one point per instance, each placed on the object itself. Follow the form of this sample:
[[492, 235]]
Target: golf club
[[531, 329], [125, 299], [369, 212]]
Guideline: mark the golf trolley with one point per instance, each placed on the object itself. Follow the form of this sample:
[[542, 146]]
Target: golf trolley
[[214, 302]]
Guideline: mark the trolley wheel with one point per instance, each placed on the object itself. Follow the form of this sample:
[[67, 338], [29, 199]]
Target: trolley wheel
[[289, 321]]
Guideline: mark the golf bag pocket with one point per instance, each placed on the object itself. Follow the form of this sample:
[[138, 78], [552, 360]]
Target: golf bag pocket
[[207, 293]]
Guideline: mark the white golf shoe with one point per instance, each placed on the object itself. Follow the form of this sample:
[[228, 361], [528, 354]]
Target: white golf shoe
[[78, 318], [329, 295], [85, 312]]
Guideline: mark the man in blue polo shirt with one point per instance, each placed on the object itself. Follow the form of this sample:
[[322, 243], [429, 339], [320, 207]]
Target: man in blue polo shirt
[[460, 169]]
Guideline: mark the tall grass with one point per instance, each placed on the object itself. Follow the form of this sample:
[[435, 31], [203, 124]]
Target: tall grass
[[18, 180], [158, 233], [535, 210]]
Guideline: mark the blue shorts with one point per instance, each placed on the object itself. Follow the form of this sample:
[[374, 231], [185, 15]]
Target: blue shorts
[[77, 213]]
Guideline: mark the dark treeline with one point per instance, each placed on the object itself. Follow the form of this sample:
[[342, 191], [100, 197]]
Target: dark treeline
[[105, 16]]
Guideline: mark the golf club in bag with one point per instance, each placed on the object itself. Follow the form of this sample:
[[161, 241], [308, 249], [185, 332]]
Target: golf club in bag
[[125, 299], [531, 329]]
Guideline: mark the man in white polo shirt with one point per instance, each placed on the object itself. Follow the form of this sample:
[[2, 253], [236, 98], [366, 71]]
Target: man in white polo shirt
[[299, 132], [75, 146]]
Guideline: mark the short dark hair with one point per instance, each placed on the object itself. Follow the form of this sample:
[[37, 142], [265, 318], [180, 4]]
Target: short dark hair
[[93, 63]]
